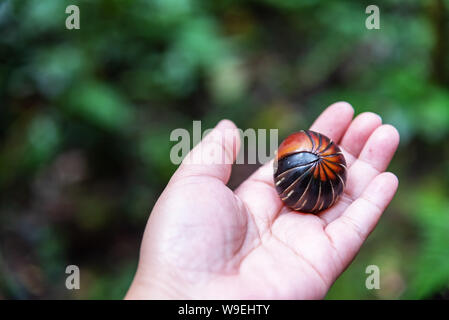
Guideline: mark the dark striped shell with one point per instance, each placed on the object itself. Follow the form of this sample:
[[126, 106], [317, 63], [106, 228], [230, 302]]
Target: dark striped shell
[[309, 171]]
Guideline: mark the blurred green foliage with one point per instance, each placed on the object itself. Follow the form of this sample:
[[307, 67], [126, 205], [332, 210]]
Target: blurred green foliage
[[86, 117]]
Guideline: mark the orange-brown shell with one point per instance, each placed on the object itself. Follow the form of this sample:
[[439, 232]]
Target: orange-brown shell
[[310, 171]]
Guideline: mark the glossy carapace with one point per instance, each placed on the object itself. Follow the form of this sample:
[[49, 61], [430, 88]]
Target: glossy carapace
[[309, 171]]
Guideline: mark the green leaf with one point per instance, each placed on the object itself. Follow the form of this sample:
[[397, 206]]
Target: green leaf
[[101, 105]]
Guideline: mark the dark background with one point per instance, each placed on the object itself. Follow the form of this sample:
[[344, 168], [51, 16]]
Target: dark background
[[85, 119]]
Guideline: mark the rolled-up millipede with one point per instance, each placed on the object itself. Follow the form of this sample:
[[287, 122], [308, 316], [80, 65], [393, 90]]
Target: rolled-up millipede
[[309, 171]]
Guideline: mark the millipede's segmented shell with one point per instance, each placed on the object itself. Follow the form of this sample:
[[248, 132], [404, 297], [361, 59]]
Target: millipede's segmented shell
[[309, 171]]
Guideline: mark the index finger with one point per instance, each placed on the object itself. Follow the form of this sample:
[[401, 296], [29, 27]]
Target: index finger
[[334, 121]]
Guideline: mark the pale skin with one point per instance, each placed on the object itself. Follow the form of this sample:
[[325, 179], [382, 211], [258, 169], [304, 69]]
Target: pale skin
[[205, 241]]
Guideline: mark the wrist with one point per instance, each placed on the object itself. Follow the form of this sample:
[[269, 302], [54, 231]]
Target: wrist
[[144, 289]]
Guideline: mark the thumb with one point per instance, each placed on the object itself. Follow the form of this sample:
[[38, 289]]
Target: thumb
[[214, 155]]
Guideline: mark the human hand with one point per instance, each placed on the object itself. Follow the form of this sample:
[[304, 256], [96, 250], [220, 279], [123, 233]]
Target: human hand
[[204, 241]]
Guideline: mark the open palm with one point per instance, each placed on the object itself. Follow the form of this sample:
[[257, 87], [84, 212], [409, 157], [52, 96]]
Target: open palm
[[205, 241]]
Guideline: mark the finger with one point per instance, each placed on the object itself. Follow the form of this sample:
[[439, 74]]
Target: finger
[[334, 121], [373, 159], [358, 133], [214, 155], [258, 190], [349, 231]]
